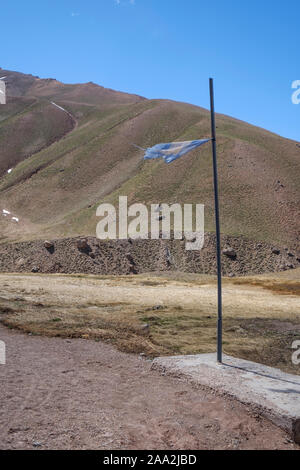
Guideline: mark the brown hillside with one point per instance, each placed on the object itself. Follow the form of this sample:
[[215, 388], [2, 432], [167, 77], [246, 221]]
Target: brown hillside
[[58, 183]]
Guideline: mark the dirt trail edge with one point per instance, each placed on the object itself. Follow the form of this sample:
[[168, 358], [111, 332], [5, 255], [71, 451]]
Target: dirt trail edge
[[77, 394]]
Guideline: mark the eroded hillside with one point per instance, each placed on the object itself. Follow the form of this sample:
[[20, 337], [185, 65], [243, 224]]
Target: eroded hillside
[[68, 158]]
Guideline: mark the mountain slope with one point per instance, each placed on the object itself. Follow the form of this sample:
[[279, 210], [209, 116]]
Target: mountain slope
[[61, 175]]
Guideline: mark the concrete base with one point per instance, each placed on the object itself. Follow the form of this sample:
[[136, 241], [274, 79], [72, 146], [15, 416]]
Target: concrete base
[[274, 394]]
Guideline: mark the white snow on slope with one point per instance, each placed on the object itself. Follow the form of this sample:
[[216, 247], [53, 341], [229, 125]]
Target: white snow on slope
[[59, 107], [6, 213]]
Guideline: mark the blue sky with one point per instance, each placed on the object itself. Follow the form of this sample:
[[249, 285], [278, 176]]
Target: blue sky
[[166, 49]]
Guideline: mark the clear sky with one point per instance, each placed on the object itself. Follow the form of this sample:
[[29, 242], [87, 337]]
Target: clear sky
[[166, 49]]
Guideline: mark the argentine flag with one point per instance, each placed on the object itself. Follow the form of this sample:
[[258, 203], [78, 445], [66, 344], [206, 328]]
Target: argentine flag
[[173, 150]]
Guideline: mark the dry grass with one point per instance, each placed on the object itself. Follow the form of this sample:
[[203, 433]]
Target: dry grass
[[158, 315], [278, 287]]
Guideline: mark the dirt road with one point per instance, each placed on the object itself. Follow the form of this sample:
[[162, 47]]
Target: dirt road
[[76, 394]]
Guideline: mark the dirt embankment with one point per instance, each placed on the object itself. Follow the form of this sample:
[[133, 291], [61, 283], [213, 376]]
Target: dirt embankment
[[70, 255]]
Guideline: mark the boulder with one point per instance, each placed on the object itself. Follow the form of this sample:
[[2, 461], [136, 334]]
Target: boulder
[[48, 244], [276, 251], [229, 252], [83, 245], [132, 269]]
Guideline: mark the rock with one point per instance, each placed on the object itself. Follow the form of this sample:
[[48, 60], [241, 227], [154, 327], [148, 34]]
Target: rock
[[132, 269], [37, 444], [290, 266], [145, 329], [283, 267], [130, 258], [276, 251], [35, 269], [157, 307], [83, 245], [290, 254], [48, 244], [229, 252]]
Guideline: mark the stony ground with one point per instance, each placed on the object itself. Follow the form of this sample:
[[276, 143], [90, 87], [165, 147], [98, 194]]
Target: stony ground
[[240, 257], [76, 394]]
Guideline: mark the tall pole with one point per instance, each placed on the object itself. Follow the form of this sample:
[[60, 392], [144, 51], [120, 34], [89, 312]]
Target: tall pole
[[218, 238]]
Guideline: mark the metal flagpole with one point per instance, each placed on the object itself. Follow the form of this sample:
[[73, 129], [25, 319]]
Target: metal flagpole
[[218, 238]]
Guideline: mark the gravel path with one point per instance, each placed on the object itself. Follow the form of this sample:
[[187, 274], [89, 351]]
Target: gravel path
[[78, 394]]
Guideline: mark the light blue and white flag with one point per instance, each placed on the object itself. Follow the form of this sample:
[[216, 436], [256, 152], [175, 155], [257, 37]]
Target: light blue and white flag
[[173, 150]]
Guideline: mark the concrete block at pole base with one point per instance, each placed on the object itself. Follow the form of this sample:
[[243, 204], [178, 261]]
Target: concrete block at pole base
[[271, 392]]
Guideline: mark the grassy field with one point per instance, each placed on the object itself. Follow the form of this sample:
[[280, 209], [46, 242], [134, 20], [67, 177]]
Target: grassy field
[[159, 314]]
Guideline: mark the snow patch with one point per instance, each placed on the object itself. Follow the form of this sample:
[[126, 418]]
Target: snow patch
[[59, 107]]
